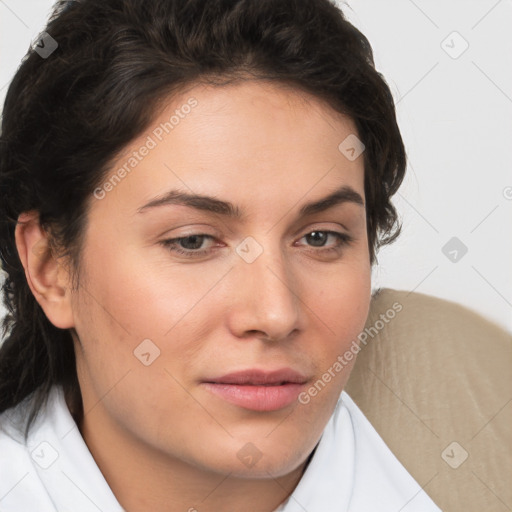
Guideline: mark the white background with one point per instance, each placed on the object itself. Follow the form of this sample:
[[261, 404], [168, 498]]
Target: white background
[[456, 119]]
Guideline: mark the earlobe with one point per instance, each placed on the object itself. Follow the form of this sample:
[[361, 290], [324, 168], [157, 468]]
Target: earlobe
[[47, 278]]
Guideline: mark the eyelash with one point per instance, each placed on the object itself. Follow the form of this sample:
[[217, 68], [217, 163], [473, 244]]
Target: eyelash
[[172, 243]]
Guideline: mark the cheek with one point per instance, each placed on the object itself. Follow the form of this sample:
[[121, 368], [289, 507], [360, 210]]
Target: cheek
[[341, 308], [343, 299], [131, 311], [145, 297]]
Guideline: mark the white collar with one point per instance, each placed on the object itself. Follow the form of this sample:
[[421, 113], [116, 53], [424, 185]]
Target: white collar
[[351, 470], [54, 471]]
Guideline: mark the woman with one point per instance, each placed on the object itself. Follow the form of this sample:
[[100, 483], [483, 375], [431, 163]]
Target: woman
[[193, 196]]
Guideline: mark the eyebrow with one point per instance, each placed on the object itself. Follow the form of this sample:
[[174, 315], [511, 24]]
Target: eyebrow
[[211, 204]]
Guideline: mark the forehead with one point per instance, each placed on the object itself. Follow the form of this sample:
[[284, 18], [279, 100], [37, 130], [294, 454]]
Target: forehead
[[260, 103], [245, 142]]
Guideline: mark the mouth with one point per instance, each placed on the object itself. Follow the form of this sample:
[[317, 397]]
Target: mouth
[[258, 390]]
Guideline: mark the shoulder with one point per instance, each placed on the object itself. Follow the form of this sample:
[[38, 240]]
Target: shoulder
[[52, 468], [376, 467], [12, 446], [20, 485], [12, 441]]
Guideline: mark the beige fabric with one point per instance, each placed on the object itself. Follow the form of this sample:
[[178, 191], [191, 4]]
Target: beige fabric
[[434, 375]]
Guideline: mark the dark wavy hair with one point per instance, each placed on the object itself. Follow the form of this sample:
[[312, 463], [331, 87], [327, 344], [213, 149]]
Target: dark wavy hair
[[68, 115]]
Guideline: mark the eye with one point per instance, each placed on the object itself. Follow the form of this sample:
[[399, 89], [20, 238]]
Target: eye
[[318, 238], [191, 246], [188, 245]]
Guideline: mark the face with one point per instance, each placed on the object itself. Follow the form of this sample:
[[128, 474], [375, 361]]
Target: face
[[176, 294]]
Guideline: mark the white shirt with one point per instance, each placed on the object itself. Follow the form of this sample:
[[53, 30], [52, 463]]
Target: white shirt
[[352, 469]]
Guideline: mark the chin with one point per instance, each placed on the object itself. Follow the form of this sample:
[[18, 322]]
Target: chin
[[272, 461], [265, 470]]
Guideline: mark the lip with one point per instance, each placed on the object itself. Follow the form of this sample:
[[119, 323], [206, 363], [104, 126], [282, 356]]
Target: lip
[[258, 390]]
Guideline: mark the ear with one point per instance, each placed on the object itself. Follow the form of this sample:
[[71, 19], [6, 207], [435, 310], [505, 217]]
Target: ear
[[47, 277]]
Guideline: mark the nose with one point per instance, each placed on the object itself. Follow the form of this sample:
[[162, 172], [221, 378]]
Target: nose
[[265, 298]]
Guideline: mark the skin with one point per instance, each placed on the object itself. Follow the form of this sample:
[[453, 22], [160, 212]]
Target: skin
[[269, 150]]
